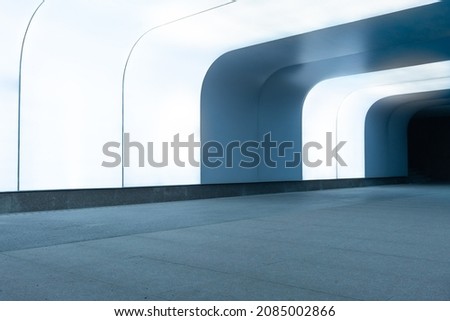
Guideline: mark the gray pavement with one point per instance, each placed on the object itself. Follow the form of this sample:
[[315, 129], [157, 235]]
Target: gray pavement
[[372, 243]]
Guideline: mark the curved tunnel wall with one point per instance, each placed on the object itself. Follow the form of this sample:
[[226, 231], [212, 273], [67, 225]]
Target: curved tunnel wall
[[386, 131], [252, 91]]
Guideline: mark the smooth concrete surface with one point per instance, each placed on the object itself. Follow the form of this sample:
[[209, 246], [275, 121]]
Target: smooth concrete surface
[[370, 243]]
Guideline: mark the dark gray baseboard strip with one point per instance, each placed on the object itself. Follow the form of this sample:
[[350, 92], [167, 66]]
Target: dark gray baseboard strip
[[29, 201]]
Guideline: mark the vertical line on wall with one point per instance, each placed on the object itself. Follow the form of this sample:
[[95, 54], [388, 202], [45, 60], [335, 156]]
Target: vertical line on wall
[[128, 60], [19, 109]]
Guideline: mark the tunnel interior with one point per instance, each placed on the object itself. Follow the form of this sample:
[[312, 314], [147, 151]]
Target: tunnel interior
[[402, 132], [429, 143], [261, 89]]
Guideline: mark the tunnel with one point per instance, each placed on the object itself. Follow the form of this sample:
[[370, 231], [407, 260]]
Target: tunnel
[[429, 142], [295, 89]]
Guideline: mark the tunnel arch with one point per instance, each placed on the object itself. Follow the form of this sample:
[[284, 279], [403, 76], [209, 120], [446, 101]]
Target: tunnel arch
[[244, 90], [386, 127]]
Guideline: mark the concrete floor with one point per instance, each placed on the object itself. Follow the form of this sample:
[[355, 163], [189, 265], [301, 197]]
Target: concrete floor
[[373, 243]]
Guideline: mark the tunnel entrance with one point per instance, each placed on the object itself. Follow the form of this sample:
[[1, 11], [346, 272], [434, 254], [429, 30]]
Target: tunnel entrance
[[429, 145]]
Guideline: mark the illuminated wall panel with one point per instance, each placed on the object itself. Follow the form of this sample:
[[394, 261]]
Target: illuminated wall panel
[[71, 96], [14, 17]]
